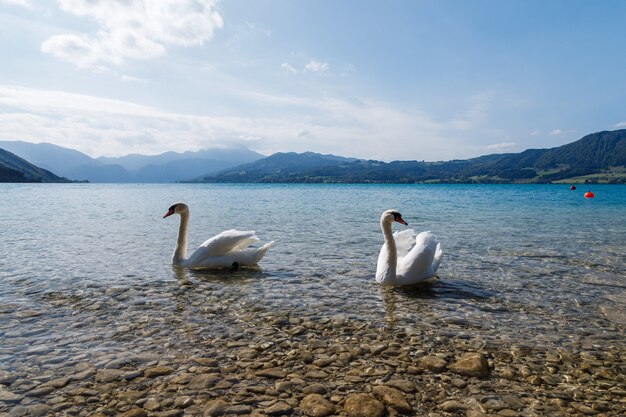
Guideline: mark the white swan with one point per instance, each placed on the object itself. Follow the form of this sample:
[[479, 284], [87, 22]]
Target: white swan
[[228, 249], [398, 263]]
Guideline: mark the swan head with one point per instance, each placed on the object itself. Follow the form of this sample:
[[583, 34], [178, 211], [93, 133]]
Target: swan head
[[390, 216], [177, 208]]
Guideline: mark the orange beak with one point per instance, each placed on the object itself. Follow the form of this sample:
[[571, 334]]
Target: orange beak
[[401, 221], [169, 213]]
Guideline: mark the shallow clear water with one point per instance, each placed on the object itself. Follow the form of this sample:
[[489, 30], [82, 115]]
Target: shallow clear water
[[83, 265]]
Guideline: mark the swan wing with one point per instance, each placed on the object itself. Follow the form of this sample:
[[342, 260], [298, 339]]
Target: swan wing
[[404, 240], [223, 243], [244, 257], [420, 262]]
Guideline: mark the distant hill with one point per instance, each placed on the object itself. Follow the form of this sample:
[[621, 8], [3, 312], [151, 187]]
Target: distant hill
[[15, 169], [598, 157], [166, 167], [135, 162], [281, 167]]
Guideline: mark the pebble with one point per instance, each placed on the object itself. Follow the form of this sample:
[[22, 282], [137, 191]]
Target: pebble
[[108, 375], [38, 410], [9, 397], [452, 406], [513, 401], [314, 405], [402, 384], [238, 409], [271, 373], [433, 363], [315, 389], [363, 405], [258, 361], [393, 398], [157, 371], [134, 412], [471, 364], [215, 407], [279, 409]]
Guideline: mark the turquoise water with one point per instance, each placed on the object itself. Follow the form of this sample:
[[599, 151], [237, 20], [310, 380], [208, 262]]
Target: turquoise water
[[533, 264]]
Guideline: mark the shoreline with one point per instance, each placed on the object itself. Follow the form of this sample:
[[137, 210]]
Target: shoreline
[[285, 365]]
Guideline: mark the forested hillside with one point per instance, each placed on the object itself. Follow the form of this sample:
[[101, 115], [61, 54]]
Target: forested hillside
[[598, 157], [15, 169]]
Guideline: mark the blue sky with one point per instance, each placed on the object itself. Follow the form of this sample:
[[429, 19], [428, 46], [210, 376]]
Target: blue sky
[[425, 80]]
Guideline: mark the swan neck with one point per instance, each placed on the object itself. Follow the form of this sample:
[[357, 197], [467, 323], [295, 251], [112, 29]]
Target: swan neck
[[392, 254], [388, 258], [180, 253]]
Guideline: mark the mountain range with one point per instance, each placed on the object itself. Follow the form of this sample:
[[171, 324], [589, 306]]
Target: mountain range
[[598, 157], [166, 167]]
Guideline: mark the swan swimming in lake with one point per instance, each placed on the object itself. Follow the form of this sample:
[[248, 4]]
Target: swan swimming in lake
[[225, 250], [398, 263]]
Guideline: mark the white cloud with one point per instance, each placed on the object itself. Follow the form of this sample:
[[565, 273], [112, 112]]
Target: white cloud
[[316, 66], [21, 3], [288, 67], [131, 79], [133, 29], [500, 146], [364, 127], [555, 132], [535, 133], [620, 125], [311, 66]]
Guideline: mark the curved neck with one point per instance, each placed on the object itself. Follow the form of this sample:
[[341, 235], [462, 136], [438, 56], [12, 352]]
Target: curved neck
[[388, 258], [180, 253], [392, 254]]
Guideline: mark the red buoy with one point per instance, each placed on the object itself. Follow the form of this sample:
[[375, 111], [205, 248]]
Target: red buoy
[[589, 194], [572, 187]]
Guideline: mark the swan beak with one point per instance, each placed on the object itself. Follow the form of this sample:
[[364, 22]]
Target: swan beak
[[169, 213], [401, 221]]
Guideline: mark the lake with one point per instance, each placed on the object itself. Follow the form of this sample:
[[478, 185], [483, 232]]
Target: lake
[[87, 288]]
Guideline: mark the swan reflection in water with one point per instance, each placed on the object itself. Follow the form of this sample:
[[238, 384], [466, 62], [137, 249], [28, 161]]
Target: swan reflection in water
[[392, 296], [439, 299], [186, 276]]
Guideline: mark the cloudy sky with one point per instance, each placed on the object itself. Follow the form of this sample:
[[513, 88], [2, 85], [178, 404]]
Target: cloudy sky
[[426, 80]]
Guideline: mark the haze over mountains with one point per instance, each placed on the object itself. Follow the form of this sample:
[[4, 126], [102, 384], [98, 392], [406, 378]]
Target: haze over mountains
[[598, 157], [16, 169], [166, 167]]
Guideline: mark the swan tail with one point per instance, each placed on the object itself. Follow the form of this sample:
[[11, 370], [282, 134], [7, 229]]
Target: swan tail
[[260, 253], [251, 256], [437, 258]]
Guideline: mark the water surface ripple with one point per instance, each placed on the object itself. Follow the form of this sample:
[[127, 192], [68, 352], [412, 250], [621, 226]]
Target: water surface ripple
[[85, 269]]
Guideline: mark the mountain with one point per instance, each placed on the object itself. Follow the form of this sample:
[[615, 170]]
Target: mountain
[[598, 157], [135, 162], [15, 169], [166, 167], [279, 167], [46, 155]]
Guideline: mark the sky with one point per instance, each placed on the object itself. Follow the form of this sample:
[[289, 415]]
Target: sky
[[397, 80]]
